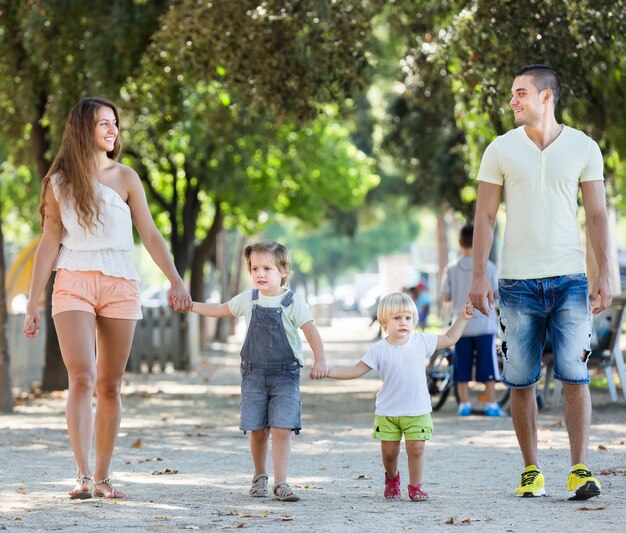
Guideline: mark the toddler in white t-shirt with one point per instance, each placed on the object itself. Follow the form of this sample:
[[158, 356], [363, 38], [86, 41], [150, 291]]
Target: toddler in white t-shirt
[[403, 403]]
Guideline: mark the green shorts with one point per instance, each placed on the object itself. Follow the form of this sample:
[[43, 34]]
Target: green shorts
[[391, 428]]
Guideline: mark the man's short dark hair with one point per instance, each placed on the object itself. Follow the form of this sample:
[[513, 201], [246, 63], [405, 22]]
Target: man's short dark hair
[[466, 237], [544, 77]]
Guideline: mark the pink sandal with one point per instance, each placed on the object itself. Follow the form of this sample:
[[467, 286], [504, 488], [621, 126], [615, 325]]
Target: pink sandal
[[416, 494], [392, 487]]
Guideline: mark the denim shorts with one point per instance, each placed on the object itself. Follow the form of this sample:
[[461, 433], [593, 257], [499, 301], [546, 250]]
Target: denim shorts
[[270, 397], [530, 310]]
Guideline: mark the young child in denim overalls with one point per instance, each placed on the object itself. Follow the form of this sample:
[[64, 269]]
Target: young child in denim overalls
[[403, 403], [271, 359]]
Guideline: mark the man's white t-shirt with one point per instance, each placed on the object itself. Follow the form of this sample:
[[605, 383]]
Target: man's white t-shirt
[[542, 234], [402, 370]]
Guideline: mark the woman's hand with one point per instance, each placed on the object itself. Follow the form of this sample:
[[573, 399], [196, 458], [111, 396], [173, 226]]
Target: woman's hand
[[31, 322], [179, 298]]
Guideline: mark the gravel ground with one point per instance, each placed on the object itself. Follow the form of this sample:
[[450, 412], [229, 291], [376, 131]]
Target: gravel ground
[[185, 465]]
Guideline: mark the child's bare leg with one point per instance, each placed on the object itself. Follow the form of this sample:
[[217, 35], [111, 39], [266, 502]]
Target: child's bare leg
[[259, 439], [390, 451], [490, 391], [281, 448], [415, 452], [463, 388]]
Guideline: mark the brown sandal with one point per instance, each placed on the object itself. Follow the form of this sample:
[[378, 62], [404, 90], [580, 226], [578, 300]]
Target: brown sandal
[[77, 493], [284, 493], [259, 486], [110, 493]]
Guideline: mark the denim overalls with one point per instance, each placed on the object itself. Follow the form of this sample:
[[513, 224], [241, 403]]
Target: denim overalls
[[270, 385]]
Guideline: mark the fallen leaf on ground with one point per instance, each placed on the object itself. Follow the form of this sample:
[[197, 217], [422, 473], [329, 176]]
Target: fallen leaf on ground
[[612, 472], [166, 471], [137, 444], [286, 518], [601, 508], [602, 447], [249, 515], [454, 521]]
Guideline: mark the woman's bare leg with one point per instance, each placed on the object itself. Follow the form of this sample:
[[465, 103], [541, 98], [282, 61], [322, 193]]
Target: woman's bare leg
[[114, 339], [76, 331]]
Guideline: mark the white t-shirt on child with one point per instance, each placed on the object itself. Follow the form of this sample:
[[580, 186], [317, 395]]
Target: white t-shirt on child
[[402, 370]]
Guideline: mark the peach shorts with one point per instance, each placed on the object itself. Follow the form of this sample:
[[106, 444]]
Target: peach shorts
[[96, 293]]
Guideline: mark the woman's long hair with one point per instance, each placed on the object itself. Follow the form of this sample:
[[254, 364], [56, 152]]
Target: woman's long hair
[[76, 163]]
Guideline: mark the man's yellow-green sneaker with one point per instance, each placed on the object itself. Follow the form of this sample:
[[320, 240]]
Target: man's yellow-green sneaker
[[531, 484], [580, 484]]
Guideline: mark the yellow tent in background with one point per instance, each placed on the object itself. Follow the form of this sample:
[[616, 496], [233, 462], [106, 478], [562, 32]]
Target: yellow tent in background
[[18, 276]]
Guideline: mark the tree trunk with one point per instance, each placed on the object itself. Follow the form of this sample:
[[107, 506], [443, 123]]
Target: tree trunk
[[442, 257], [442, 242], [229, 252], [205, 252], [55, 373], [6, 394]]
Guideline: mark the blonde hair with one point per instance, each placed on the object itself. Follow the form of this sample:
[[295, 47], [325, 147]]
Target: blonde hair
[[76, 163], [394, 304], [278, 252]]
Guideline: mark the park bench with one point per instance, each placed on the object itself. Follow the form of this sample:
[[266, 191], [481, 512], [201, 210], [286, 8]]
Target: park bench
[[605, 353]]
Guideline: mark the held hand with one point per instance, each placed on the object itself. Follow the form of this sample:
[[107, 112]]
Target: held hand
[[180, 299], [318, 371], [600, 296], [481, 295], [468, 310], [31, 323]]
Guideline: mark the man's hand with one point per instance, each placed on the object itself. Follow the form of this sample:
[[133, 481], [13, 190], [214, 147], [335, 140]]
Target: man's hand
[[481, 295], [600, 297]]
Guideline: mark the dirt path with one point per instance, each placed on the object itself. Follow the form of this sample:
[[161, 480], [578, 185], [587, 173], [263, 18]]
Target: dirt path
[[186, 466]]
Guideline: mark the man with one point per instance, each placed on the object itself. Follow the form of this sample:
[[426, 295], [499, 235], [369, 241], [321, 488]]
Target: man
[[540, 166], [479, 335]]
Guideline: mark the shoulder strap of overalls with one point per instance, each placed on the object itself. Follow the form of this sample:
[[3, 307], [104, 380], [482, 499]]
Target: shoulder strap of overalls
[[255, 294], [287, 299]]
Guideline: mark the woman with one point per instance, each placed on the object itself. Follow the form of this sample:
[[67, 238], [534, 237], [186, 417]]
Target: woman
[[89, 202]]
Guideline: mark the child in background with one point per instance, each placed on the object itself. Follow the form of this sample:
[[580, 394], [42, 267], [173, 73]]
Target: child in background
[[480, 334], [271, 358], [403, 403]]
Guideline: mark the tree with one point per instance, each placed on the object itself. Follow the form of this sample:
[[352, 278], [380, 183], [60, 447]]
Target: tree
[[227, 94], [6, 397]]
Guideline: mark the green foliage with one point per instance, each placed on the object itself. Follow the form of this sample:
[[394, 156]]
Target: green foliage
[[52, 52], [326, 254], [277, 56], [236, 112], [19, 200], [584, 41], [454, 79]]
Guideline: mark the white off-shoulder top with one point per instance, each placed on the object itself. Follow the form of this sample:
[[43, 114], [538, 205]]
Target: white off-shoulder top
[[107, 246]]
